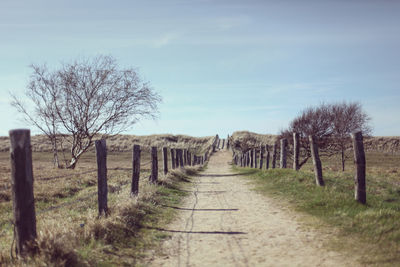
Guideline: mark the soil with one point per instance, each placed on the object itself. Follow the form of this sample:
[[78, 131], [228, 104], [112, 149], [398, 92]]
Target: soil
[[224, 222]]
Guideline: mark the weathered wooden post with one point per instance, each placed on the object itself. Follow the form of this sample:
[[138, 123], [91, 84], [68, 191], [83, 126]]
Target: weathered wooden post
[[165, 156], [181, 158], [189, 157], [154, 165], [261, 156], [274, 155], [255, 157], [219, 142], [173, 162], [267, 157], [227, 143], [177, 163], [283, 153], [251, 158], [22, 189], [184, 157], [135, 170], [223, 143], [102, 190], [296, 151], [316, 161], [359, 160]]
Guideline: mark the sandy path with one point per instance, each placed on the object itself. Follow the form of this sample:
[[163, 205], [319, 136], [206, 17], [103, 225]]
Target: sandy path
[[224, 223]]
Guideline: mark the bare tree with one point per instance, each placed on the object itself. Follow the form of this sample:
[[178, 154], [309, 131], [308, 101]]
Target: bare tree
[[41, 90], [349, 117], [94, 98], [331, 125]]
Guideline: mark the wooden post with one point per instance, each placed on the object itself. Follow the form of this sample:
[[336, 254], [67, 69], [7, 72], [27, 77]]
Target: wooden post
[[316, 161], [102, 190], [189, 157], [227, 143], [177, 158], [252, 158], [154, 165], [267, 157], [165, 156], [181, 158], [223, 143], [135, 170], [261, 156], [184, 157], [173, 158], [274, 155], [22, 189], [296, 151], [359, 160], [255, 157], [219, 141], [283, 153]]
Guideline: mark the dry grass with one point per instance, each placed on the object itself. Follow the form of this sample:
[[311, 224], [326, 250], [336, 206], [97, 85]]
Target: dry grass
[[69, 231]]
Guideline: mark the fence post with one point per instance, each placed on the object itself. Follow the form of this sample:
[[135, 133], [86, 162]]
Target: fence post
[[154, 165], [165, 156], [189, 158], [177, 158], [181, 158], [173, 158], [261, 156], [102, 190], [296, 150], [283, 153], [359, 159], [255, 157], [252, 158], [22, 189], [219, 142], [135, 170], [227, 143], [267, 157], [274, 155], [223, 143], [184, 157], [316, 161]]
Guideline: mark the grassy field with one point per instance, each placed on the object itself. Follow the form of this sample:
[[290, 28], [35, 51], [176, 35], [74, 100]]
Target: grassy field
[[373, 229], [69, 230]]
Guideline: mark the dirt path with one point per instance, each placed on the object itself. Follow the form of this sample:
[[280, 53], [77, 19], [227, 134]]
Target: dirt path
[[224, 223]]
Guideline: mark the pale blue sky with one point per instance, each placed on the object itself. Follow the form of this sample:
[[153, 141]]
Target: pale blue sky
[[220, 66]]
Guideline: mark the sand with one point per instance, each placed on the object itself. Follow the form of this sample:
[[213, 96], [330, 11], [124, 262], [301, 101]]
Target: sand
[[224, 222]]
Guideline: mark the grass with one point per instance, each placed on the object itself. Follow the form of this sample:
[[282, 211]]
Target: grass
[[70, 233], [374, 228]]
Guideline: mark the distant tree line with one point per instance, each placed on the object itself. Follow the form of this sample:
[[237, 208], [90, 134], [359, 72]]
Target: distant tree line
[[88, 98]]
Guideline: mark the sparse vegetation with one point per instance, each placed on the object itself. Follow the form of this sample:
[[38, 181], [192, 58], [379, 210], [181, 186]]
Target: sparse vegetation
[[375, 225], [69, 231], [85, 99]]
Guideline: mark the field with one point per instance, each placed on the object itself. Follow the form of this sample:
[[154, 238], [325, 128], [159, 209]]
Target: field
[[69, 231], [372, 230]]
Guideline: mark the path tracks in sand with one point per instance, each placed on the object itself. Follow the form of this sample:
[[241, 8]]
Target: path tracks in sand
[[223, 222]]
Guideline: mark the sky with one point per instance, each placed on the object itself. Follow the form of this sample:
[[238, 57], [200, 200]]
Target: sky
[[219, 65]]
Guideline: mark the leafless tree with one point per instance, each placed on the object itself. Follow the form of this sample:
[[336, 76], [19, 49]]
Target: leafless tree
[[41, 90], [348, 117], [331, 124], [94, 98]]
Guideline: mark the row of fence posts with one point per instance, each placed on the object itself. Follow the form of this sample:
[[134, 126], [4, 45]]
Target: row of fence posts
[[249, 159], [22, 179]]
